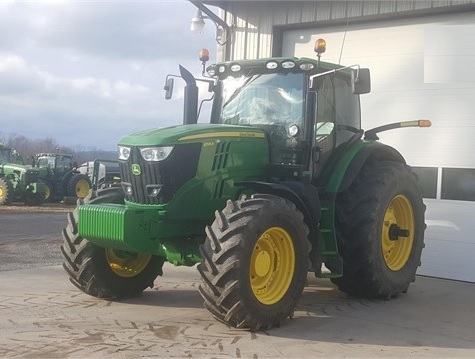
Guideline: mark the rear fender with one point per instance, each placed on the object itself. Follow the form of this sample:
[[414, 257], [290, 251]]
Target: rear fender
[[373, 152]]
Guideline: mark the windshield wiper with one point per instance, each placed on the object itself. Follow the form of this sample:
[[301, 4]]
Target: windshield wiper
[[246, 83]]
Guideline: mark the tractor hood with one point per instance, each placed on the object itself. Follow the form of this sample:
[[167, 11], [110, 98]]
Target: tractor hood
[[16, 167], [188, 133]]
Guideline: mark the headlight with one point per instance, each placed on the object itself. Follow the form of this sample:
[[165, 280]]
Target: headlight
[[154, 154], [124, 152], [294, 130]]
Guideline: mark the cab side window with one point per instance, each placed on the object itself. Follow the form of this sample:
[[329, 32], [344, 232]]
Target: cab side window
[[337, 116], [338, 110], [325, 111], [347, 110]]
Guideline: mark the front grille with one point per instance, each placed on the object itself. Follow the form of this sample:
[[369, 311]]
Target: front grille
[[158, 182]]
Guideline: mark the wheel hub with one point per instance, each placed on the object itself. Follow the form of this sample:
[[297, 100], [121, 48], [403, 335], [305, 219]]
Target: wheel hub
[[126, 264], [262, 264], [82, 188], [398, 232], [272, 265]]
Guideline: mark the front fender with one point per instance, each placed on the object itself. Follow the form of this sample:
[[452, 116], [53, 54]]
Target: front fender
[[303, 195]]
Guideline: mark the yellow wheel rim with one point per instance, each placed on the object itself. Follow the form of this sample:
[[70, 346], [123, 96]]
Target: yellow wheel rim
[[47, 192], [82, 188], [127, 264], [2, 192], [398, 232], [272, 265]]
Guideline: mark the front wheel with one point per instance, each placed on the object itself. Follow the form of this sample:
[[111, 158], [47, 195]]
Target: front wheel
[[6, 192], [101, 272], [78, 186], [255, 262], [380, 231]]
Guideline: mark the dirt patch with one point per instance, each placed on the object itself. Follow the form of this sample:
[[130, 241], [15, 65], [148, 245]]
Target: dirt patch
[[45, 207]]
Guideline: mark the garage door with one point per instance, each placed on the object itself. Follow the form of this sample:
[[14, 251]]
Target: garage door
[[421, 68]]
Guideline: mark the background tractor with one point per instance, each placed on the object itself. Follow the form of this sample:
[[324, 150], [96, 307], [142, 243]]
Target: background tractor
[[61, 176], [18, 183], [103, 173], [282, 181]]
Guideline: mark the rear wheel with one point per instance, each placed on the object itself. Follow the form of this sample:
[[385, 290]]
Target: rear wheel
[[78, 186], [49, 192], [255, 262], [380, 231], [6, 192], [106, 273]]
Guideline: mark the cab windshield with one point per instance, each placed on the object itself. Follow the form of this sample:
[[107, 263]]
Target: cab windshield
[[263, 99], [5, 156]]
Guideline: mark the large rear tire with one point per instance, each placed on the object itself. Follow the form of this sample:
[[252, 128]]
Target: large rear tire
[[106, 273], [380, 231], [6, 192], [255, 262]]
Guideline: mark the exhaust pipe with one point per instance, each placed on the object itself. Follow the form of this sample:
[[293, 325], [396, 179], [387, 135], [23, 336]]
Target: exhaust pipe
[[190, 111]]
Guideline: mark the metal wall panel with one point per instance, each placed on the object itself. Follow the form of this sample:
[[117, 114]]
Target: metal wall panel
[[412, 78], [255, 21]]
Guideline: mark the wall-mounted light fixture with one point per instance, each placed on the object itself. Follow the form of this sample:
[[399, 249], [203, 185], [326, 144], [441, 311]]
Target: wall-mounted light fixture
[[223, 30]]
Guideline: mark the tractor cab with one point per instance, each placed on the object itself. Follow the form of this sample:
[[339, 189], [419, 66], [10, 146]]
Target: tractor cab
[[9, 155], [56, 164], [5, 155], [305, 113], [306, 107]]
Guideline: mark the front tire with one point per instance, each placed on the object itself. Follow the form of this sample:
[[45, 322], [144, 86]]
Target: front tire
[[380, 231], [101, 272], [255, 262]]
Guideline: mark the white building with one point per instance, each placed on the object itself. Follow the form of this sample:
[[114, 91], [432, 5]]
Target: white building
[[421, 55]]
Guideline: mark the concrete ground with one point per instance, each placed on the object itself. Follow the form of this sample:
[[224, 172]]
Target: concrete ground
[[43, 316]]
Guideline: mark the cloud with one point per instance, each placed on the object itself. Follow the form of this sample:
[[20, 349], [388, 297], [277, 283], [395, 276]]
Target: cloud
[[82, 109], [103, 29], [89, 73]]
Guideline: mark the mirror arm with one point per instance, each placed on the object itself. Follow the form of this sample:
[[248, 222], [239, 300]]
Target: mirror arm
[[334, 71]]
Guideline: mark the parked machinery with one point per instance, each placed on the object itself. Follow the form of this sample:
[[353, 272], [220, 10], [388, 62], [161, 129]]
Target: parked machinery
[[61, 176], [280, 182], [18, 182]]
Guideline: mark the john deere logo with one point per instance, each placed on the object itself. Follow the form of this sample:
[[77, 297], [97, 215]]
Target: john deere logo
[[136, 169]]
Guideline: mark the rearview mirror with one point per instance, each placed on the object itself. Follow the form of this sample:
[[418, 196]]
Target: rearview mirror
[[168, 88], [360, 81]]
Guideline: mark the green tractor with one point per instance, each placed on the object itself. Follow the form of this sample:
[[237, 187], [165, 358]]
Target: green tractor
[[281, 182], [61, 176], [18, 183]]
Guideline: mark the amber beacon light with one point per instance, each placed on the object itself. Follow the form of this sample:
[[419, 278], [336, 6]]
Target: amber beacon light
[[320, 46]]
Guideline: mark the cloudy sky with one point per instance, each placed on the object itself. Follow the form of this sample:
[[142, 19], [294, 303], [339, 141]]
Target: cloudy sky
[[86, 73]]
